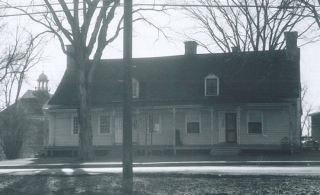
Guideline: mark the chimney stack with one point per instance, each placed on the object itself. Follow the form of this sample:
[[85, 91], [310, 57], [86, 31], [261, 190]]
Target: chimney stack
[[292, 49], [235, 49], [190, 47], [70, 60]]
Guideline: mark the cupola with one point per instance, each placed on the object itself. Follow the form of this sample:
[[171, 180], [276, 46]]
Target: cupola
[[43, 82]]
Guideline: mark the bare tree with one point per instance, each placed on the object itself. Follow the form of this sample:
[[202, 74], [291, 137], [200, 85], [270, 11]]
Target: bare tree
[[312, 8], [89, 26], [307, 109], [247, 25], [16, 60], [85, 26]]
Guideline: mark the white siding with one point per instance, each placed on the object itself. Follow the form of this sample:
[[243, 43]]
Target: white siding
[[275, 127], [63, 135]]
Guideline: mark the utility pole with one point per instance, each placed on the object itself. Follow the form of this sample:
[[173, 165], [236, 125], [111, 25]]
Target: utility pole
[[127, 172]]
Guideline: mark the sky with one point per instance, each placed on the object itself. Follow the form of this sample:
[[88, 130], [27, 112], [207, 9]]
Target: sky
[[148, 43]]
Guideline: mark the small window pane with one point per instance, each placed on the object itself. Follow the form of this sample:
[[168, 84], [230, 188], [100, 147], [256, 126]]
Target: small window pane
[[211, 86], [104, 124], [75, 125], [255, 127], [193, 127]]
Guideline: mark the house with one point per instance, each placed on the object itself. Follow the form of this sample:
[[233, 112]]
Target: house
[[221, 102], [315, 125], [31, 103]]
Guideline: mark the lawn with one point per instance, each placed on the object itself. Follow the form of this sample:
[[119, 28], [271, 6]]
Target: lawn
[[159, 184]]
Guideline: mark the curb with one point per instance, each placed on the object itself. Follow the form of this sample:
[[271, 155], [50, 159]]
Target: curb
[[163, 164]]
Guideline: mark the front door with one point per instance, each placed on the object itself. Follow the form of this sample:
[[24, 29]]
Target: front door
[[231, 127], [118, 131]]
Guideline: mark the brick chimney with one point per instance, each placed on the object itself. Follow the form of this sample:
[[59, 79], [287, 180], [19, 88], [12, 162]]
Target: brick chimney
[[292, 50], [235, 49], [190, 47], [70, 60]]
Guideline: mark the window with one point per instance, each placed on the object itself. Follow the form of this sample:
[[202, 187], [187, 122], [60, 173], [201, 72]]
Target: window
[[135, 88], [211, 85], [104, 124], [193, 122], [153, 123], [193, 127], [254, 122], [134, 123], [75, 125]]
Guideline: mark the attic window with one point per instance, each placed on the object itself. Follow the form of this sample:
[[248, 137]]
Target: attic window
[[135, 88], [211, 85]]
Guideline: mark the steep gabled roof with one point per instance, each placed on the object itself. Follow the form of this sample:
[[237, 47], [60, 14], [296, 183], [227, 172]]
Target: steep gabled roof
[[265, 76], [31, 103]]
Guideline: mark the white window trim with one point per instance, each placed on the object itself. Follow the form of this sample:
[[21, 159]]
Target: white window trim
[[261, 115], [211, 76], [72, 120], [110, 125], [160, 125], [137, 88], [186, 122]]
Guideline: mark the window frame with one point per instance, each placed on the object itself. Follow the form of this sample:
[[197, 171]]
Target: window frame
[[73, 125], [136, 94], [210, 77], [159, 120], [99, 124], [192, 117], [261, 121]]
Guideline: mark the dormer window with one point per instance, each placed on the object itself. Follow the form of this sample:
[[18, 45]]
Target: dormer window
[[135, 88], [211, 85]]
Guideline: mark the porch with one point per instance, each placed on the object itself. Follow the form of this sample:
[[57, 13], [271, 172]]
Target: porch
[[116, 150]]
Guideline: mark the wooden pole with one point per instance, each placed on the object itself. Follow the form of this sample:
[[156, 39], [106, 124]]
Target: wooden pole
[[127, 172]]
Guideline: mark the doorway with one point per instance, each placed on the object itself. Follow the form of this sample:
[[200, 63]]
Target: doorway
[[231, 127]]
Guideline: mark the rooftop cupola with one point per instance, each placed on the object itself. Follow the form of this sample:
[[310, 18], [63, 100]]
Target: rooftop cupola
[[43, 82]]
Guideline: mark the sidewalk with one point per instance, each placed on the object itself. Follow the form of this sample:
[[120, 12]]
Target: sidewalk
[[303, 158]]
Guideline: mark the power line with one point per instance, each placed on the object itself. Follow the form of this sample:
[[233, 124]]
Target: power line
[[142, 5]]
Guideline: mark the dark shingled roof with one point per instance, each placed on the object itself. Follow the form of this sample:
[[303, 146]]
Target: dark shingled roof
[[31, 103], [265, 76]]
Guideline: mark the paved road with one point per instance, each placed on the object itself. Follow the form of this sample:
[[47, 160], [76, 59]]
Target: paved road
[[213, 170]]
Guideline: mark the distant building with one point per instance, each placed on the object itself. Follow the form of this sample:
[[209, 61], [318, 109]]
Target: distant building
[[315, 125], [31, 103], [220, 102]]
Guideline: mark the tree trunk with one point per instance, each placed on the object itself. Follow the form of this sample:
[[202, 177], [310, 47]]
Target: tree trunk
[[85, 152]]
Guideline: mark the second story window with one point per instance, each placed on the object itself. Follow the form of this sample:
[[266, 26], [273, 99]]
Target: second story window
[[135, 88], [211, 85]]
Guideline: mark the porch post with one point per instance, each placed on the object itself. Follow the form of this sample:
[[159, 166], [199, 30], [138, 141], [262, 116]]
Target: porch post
[[211, 115], [174, 130], [113, 126], [138, 129], [238, 125]]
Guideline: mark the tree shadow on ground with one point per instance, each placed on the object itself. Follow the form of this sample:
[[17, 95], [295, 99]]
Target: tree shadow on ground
[[59, 182]]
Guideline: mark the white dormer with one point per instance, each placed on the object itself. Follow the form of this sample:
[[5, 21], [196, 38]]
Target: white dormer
[[135, 88], [211, 85]]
